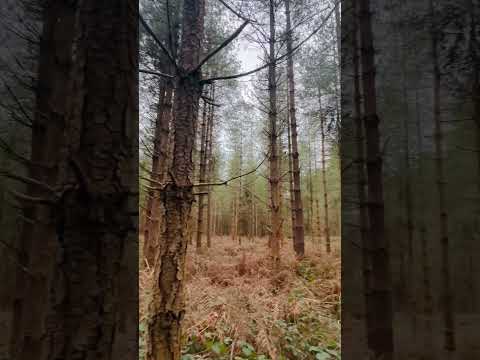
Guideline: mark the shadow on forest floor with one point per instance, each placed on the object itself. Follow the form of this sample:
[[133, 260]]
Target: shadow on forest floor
[[239, 307]]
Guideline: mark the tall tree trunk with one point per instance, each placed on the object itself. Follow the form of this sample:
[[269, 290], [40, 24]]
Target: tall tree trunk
[[95, 229], [214, 217], [203, 173], [410, 261], [252, 219], [235, 218], [290, 180], [210, 164], [424, 253], [274, 178], [338, 36], [310, 179], [319, 223], [360, 152], [168, 301], [324, 176], [158, 172], [475, 94], [379, 293], [441, 188], [298, 239], [52, 106]]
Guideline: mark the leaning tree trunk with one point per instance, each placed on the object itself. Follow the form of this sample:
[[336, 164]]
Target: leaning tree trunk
[[168, 301], [274, 178], [298, 239], [379, 293]]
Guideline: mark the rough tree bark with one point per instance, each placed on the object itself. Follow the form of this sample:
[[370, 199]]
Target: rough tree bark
[[168, 301], [97, 211], [297, 209], [379, 293], [55, 66], [360, 152], [158, 171]]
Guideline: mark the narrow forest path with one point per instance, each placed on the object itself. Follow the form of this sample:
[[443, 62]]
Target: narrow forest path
[[239, 307]]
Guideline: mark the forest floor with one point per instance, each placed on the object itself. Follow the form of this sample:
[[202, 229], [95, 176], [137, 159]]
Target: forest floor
[[240, 307]]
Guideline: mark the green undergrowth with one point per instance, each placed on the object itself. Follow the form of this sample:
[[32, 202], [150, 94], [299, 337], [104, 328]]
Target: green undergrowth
[[302, 339], [306, 333]]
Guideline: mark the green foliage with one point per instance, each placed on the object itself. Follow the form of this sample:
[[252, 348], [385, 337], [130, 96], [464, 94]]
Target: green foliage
[[209, 346], [305, 338], [306, 270]]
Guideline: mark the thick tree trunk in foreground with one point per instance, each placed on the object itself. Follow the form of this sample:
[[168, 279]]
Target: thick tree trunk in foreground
[[379, 293], [298, 240], [52, 95], [273, 137], [98, 210], [359, 134], [168, 301]]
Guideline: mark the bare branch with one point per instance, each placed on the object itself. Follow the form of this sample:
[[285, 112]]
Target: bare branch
[[152, 181], [169, 23], [209, 101], [236, 12], [19, 104], [32, 199], [156, 73], [222, 45], [225, 182], [157, 40], [280, 58], [27, 180]]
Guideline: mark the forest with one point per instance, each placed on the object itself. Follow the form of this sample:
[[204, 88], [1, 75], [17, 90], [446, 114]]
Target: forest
[[239, 179], [258, 237]]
